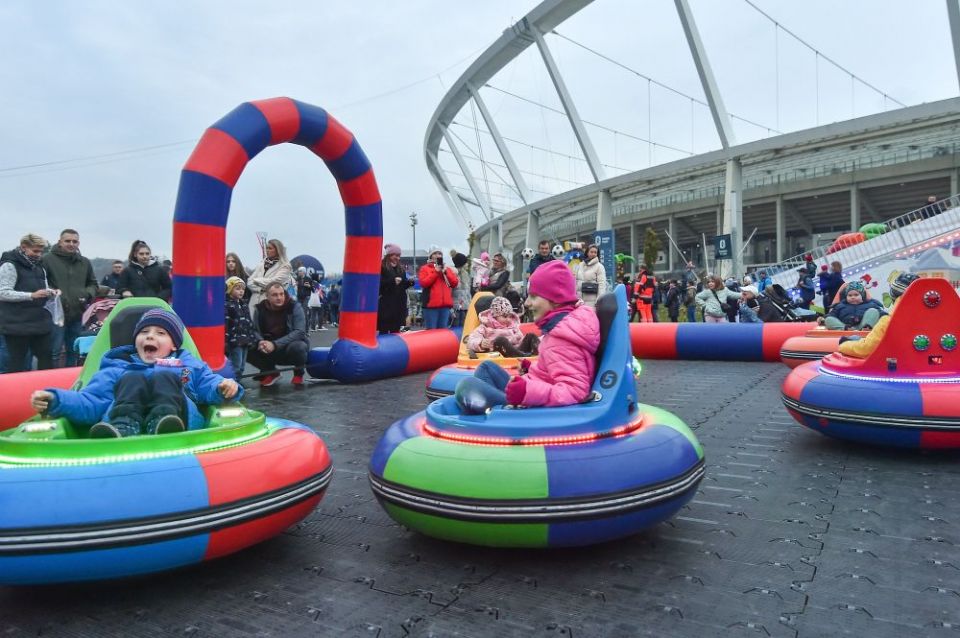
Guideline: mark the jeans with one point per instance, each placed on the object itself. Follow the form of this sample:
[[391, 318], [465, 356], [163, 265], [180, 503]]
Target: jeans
[[458, 318], [436, 317], [18, 347], [238, 359], [294, 354], [62, 336], [315, 317], [691, 313], [485, 389], [334, 313]]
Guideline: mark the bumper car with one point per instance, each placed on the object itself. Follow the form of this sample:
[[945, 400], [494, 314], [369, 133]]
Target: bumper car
[[906, 393], [542, 477], [444, 381], [74, 508], [814, 345]]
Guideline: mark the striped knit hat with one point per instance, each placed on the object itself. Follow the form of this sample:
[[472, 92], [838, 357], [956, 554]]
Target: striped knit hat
[[165, 319]]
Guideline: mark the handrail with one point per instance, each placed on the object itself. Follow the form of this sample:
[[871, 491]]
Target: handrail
[[923, 227]]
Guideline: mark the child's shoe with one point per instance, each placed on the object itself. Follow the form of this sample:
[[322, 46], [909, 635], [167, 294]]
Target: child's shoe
[[120, 427], [297, 379], [104, 430], [166, 424]]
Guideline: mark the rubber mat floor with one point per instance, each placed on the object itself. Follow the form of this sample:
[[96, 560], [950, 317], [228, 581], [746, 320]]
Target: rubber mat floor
[[790, 534]]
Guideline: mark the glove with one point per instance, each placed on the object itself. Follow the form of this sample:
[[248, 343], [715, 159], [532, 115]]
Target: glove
[[525, 366], [516, 390]]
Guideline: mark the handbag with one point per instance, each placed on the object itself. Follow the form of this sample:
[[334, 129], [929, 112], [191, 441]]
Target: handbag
[[724, 307], [590, 288]]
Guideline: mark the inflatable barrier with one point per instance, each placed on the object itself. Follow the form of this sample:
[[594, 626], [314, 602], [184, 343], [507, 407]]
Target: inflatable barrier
[[905, 394], [713, 341], [199, 236], [542, 477], [74, 508]]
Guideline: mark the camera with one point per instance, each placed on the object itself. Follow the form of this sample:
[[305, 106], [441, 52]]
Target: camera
[[440, 261]]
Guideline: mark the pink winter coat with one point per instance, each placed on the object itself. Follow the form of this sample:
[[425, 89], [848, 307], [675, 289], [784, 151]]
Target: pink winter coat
[[563, 374], [492, 327]]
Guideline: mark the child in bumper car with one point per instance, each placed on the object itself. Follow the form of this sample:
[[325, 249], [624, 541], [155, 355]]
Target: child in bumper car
[[151, 387]]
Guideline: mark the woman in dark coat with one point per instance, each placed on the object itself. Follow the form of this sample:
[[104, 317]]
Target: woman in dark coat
[[143, 276], [392, 307]]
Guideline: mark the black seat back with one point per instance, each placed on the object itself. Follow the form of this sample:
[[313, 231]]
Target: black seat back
[[123, 323], [483, 303], [606, 312]]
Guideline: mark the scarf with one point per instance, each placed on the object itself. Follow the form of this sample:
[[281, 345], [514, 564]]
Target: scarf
[[549, 321], [269, 263], [34, 261]]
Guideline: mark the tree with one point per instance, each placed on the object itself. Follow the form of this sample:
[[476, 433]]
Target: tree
[[651, 247]]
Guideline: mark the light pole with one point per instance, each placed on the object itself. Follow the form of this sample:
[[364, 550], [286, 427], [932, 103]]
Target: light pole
[[413, 225]]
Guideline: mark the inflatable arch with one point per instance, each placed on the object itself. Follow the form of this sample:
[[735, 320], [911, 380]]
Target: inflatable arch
[[199, 241]]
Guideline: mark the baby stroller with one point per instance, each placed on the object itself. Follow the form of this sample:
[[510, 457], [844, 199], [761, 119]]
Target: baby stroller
[[92, 321], [785, 306]]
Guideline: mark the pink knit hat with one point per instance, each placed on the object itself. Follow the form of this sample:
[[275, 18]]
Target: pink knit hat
[[391, 249], [554, 282]]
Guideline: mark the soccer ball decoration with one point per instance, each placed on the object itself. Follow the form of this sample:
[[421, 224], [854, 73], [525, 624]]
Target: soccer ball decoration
[[558, 251], [527, 253]]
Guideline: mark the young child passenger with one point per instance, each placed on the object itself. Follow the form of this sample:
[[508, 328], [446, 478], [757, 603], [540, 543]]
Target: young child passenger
[[238, 326], [499, 320], [855, 312], [564, 372], [151, 387], [481, 271]]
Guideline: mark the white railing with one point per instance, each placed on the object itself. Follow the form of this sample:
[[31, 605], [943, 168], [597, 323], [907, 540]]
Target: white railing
[[929, 224]]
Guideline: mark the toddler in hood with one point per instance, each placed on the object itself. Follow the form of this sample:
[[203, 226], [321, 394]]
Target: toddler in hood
[[497, 321], [563, 374]]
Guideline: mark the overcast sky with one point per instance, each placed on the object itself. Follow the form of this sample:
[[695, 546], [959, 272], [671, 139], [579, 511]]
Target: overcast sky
[[83, 79]]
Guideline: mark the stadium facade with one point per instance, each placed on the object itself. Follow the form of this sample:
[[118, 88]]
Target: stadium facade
[[787, 194]]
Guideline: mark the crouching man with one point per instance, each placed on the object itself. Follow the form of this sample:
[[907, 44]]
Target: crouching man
[[281, 336]]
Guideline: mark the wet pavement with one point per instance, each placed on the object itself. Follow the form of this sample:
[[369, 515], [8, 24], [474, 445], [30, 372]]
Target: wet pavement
[[790, 534]]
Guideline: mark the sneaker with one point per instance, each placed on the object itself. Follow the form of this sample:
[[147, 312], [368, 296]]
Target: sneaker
[[297, 379], [269, 379], [322, 328], [104, 430], [167, 424]]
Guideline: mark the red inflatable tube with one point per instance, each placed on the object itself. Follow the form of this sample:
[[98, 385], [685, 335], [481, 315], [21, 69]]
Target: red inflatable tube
[[16, 389], [430, 349]]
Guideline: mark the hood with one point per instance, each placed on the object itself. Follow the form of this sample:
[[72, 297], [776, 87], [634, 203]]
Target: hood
[[15, 255], [580, 327], [60, 252]]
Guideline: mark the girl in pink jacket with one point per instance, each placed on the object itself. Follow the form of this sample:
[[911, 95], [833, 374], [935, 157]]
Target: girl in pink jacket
[[499, 320], [563, 374]]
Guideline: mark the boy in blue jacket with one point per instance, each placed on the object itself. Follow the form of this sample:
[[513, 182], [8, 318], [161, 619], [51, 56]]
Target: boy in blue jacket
[[150, 387]]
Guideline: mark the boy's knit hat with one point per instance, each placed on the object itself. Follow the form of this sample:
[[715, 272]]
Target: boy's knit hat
[[855, 285], [165, 319], [233, 282], [899, 286], [391, 249], [500, 307], [554, 282], [459, 260]]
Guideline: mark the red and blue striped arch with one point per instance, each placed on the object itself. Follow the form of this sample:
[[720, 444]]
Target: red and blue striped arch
[[203, 205]]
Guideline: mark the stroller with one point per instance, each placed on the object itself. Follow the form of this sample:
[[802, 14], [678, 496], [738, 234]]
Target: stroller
[[92, 321], [784, 306]]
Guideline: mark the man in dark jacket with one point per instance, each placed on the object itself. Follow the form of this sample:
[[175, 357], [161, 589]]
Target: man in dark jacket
[[24, 322], [281, 336], [543, 256], [72, 273], [112, 279]]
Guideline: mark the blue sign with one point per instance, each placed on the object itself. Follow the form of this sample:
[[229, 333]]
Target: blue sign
[[722, 247], [604, 241]]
